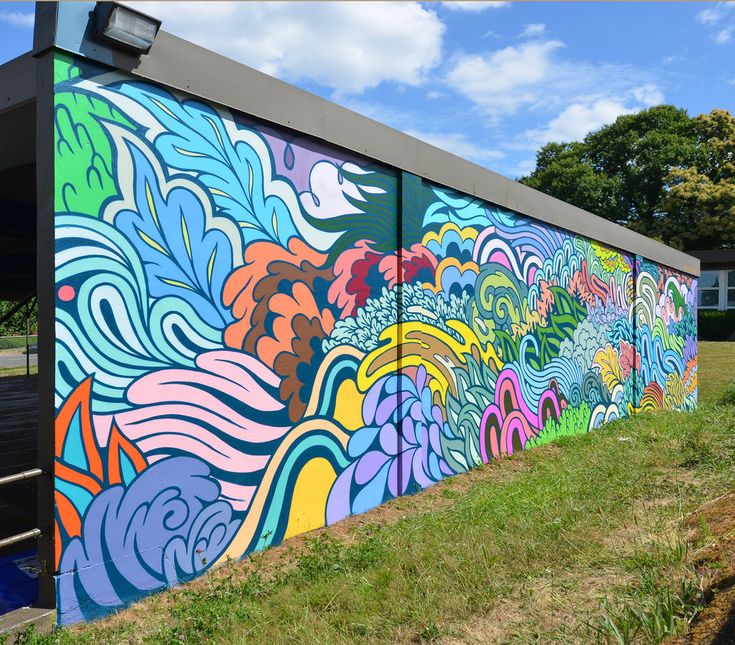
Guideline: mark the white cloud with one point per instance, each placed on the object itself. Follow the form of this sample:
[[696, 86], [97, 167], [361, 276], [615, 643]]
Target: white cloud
[[524, 167], [578, 119], [17, 18], [708, 16], [532, 30], [715, 13], [433, 95], [458, 144], [724, 35], [648, 94], [506, 79], [715, 16], [471, 5], [533, 77], [591, 113], [347, 46]]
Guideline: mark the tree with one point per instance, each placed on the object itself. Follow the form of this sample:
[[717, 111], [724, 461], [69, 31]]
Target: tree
[[16, 324], [658, 172], [702, 197]]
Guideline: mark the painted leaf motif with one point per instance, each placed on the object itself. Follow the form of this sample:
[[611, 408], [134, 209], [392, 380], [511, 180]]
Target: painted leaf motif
[[609, 363], [83, 150], [168, 226], [194, 138]]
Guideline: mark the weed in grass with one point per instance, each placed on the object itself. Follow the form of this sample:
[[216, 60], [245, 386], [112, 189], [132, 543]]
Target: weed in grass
[[705, 532], [661, 613], [208, 612], [651, 608], [616, 624], [324, 556], [728, 395], [697, 449], [30, 637], [429, 634]]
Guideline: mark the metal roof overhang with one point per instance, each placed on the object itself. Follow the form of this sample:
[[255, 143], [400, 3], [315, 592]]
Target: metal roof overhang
[[184, 66], [17, 178]]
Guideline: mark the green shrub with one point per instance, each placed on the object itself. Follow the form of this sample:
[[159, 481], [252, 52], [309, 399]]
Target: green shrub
[[16, 324], [716, 325], [16, 342]]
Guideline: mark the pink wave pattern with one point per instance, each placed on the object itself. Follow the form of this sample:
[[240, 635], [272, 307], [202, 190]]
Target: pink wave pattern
[[214, 412], [508, 423]]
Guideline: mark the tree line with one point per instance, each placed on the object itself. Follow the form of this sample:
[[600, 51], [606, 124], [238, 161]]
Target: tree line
[[659, 172]]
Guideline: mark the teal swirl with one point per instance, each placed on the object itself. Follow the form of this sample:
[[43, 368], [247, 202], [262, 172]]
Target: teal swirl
[[110, 327], [500, 298]]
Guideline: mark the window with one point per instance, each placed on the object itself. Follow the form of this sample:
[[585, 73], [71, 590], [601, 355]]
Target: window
[[716, 289], [708, 289]]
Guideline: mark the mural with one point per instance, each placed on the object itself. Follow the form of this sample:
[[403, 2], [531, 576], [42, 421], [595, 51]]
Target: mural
[[248, 348]]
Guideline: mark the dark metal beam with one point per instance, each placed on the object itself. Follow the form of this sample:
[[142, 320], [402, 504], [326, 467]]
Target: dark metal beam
[[17, 82], [45, 287]]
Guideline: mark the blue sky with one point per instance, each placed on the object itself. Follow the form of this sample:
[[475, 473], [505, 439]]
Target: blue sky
[[488, 81]]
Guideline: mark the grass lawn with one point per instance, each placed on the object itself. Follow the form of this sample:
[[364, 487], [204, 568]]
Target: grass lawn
[[575, 542], [16, 342], [17, 371]]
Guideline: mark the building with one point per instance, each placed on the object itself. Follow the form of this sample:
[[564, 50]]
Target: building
[[717, 281], [260, 312], [716, 298]]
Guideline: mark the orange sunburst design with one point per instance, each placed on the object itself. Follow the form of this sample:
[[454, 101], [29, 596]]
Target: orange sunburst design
[[83, 474], [117, 446], [78, 401]]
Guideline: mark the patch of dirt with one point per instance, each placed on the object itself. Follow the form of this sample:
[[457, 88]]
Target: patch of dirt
[[548, 608], [713, 528]]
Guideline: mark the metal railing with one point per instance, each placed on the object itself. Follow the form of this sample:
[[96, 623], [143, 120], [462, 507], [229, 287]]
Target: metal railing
[[22, 476], [20, 537], [29, 303], [34, 533]]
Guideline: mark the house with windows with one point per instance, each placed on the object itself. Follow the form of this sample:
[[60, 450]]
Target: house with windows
[[716, 297]]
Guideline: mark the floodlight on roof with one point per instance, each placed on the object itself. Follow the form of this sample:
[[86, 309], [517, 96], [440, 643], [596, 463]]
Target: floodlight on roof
[[125, 27]]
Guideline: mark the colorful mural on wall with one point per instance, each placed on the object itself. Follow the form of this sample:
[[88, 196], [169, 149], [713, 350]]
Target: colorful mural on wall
[[248, 347]]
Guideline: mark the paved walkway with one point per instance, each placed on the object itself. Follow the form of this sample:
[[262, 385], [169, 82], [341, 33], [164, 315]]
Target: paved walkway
[[16, 360]]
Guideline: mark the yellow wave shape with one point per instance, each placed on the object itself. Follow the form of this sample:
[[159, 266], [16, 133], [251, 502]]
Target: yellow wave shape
[[464, 233], [411, 344]]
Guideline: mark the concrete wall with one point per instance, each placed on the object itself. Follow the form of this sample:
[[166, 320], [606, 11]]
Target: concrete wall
[[258, 334]]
